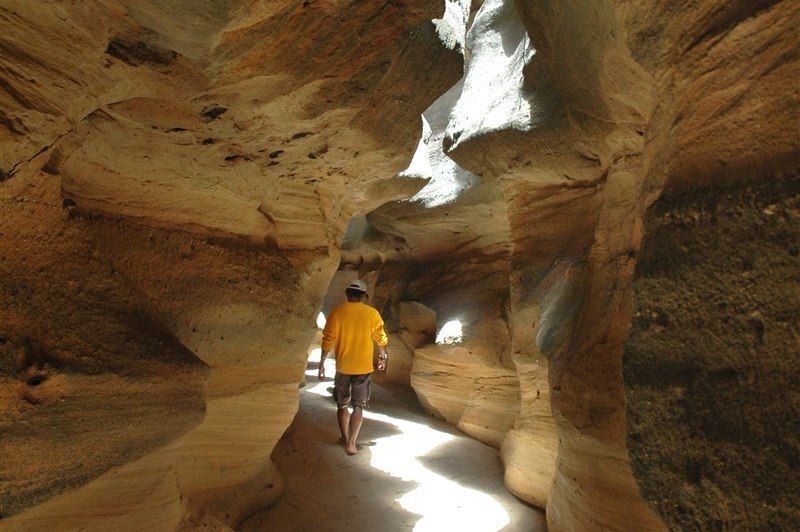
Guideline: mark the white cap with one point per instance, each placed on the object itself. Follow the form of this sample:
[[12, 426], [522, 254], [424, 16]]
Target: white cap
[[359, 285]]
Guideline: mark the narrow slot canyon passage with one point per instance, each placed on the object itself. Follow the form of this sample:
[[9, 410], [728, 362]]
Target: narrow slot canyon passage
[[579, 223], [413, 471]]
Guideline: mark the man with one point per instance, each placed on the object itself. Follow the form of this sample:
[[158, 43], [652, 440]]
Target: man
[[349, 331]]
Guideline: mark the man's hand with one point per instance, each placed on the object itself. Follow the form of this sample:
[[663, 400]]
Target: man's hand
[[321, 370], [382, 360]]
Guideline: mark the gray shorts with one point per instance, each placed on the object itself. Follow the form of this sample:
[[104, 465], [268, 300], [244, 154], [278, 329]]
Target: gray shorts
[[352, 389]]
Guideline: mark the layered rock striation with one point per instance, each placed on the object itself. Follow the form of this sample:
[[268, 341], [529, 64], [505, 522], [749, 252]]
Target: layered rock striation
[[176, 182], [580, 116], [181, 182]]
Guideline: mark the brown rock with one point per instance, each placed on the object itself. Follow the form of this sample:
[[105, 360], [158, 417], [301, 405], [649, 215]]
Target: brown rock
[[416, 323], [178, 193], [479, 398]]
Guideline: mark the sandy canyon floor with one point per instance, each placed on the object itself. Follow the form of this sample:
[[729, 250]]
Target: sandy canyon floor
[[413, 472]]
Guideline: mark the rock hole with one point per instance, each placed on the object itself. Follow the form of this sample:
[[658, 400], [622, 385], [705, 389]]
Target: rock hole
[[213, 112], [35, 380], [136, 53]]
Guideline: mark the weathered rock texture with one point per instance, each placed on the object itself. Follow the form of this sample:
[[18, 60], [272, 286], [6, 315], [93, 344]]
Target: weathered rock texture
[[176, 182], [478, 396], [712, 362], [618, 102], [181, 180]]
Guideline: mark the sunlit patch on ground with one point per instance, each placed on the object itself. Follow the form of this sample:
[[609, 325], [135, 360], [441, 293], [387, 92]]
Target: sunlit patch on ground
[[441, 503]]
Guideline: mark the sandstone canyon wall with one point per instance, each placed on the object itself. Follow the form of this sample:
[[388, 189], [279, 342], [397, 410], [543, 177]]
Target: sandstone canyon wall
[[711, 364], [175, 188], [181, 181]]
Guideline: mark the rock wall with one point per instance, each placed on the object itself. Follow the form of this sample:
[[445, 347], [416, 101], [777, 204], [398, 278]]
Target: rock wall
[[176, 181], [711, 364], [181, 180], [147, 354], [480, 397], [460, 371], [617, 102]]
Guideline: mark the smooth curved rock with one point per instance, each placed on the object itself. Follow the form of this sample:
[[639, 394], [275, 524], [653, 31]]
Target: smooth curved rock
[[180, 182], [416, 323], [209, 173], [478, 397]]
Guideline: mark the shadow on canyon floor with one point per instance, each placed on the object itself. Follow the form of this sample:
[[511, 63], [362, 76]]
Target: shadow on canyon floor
[[414, 472]]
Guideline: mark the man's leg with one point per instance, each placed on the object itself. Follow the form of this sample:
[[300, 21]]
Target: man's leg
[[341, 384], [344, 423], [360, 388], [355, 425]]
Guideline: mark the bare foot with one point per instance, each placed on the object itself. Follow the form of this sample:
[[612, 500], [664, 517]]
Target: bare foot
[[342, 441], [351, 450]]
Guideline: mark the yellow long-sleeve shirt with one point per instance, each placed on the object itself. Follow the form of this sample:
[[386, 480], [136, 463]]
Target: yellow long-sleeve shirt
[[350, 329]]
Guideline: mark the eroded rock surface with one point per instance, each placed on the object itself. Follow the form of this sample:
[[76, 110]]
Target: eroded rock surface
[[478, 396], [176, 182], [181, 181], [711, 365]]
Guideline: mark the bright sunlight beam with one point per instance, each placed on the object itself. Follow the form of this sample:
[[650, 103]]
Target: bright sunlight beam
[[451, 333], [441, 503], [321, 321]]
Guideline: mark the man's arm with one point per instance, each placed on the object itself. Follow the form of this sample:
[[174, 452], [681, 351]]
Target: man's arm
[[379, 335], [328, 340], [321, 369], [383, 358]]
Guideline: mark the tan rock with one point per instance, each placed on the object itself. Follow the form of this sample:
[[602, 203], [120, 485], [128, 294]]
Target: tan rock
[[478, 397], [184, 159], [401, 360], [416, 323], [177, 194]]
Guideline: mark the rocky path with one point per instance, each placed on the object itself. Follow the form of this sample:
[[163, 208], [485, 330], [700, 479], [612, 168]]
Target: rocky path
[[413, 473]]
